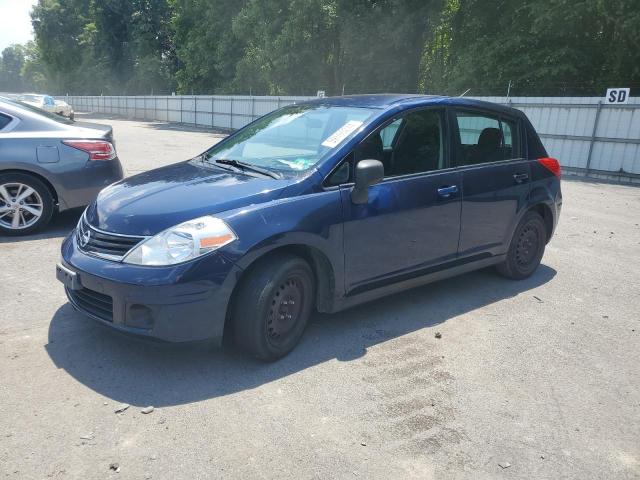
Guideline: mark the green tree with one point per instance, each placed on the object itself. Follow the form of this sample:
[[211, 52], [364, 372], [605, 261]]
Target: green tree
[[545, 47], [108, 46], [206, 49], [11, 63], [33, 72]]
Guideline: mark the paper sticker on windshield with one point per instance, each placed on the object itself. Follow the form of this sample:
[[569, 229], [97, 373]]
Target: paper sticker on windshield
[[298, 163], [342, 133]]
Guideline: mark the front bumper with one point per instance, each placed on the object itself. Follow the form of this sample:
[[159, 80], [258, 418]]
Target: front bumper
[[181, 303]]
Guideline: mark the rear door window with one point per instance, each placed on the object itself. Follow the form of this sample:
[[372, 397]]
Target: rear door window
[[483, 138]]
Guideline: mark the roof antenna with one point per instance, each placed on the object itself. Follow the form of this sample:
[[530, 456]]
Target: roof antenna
[[465, 92]]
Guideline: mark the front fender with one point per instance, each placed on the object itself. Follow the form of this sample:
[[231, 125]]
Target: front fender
[[313, 220]]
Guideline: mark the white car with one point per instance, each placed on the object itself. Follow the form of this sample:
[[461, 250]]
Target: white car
[[48, 103]]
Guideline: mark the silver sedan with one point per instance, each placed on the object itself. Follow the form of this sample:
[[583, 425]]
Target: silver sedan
[[49, 164]]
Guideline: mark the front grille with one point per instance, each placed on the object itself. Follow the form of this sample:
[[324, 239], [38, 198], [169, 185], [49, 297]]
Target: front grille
[[104, 244], [95, 303]]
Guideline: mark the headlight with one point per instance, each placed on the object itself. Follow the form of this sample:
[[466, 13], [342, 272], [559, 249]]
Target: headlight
[[183, 242]]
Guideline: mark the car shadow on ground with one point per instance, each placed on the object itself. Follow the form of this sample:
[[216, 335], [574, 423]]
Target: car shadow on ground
[[60, 226], [143, 373]]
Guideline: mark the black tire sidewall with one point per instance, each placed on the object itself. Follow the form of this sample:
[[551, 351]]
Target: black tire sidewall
[[304, 272], [254, 302], [43, 191], [516, 270]]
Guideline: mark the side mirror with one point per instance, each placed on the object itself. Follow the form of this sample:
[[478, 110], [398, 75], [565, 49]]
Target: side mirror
[[368, 172]]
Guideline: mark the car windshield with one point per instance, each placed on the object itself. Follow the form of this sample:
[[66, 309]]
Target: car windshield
[[39, 111], [292, 139]]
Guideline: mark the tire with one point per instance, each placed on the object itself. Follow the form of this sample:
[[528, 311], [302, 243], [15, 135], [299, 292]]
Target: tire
[[33, 212], [526, 248], [266, 325]]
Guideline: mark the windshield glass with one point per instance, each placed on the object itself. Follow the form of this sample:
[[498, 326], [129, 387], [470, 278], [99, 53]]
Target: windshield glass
[[293, 139]]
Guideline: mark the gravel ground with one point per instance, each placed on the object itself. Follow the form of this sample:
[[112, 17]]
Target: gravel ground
[[531, 379]]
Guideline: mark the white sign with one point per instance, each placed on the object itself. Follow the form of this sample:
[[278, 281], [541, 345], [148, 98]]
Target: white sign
[[321, 94], [617, 95], [342, 133]]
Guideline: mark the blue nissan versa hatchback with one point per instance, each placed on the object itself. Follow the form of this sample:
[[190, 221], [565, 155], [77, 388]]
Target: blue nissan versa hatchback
[[317, 206]]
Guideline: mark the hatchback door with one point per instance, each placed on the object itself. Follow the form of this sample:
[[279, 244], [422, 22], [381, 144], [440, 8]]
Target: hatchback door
[[412, 219], [495, 179]]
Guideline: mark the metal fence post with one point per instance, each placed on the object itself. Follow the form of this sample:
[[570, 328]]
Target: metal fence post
[[195, 111], [181, 107], [593, 135], [231, 119], [212, 99], [253, 108]]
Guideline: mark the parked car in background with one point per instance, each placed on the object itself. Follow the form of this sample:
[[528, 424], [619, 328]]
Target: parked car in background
[[48, 103], [317, 206], [49, 163], [64, 109]]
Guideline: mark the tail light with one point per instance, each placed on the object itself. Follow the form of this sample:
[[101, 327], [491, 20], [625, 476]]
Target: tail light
[[97, 149], [551, 164]]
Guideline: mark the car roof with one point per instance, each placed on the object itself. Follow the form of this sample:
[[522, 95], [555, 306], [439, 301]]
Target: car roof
[[406, 101]]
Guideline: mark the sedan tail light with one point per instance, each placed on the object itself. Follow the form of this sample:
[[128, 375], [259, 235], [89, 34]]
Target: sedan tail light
[[551, 164], [97, 149]]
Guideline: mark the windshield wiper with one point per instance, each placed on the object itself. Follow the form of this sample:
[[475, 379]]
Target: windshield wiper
[[247, 166]]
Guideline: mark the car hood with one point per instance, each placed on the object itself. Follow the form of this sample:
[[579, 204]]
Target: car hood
[[153, 201]]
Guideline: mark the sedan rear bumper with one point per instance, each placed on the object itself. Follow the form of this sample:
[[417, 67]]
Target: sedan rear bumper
[[80, 187]]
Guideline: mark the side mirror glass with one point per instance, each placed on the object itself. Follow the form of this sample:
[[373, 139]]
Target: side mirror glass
[[368, 172]]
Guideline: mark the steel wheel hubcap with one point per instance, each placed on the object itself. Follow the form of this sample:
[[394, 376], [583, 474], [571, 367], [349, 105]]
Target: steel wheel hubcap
[[527, 247], [285, 308], [20, 206]]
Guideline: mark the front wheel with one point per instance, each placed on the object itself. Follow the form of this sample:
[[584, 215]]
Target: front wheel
[[273, 306], [526, 248]]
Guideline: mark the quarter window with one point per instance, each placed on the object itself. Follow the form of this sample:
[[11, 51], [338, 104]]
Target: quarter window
[[389, 132]]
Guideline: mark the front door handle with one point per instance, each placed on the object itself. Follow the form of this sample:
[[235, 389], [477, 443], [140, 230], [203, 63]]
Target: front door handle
[[446, 192], [521, 177]]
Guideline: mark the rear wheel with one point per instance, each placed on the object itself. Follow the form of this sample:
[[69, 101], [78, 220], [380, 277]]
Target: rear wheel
[[26, 204], [273, 306], [526, 248]]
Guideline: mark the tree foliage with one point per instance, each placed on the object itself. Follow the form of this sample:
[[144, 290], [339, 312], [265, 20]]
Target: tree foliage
[[354, 46], [543, 47]]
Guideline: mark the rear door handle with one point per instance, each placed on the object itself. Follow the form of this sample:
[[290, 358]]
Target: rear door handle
[[446, 192], [521, 177]]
